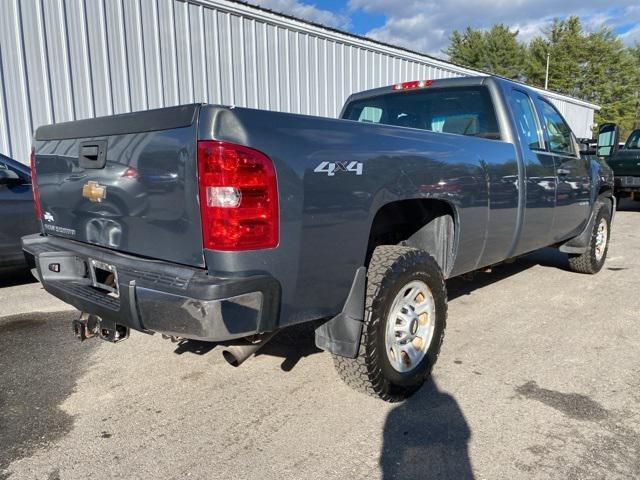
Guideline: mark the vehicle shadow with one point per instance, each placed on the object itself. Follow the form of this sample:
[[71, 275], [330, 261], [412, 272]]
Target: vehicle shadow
[[292, 344], [16, 277], [628, 205], [547, 257], [426, 437]]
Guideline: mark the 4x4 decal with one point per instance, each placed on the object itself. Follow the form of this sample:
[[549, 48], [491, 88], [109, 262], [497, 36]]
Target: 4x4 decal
[[331, 168]]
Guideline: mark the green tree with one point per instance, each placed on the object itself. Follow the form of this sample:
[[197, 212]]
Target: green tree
[[467, 48], [635, 54], [610, 79], [496, 51], [563, 40], [593, 66]]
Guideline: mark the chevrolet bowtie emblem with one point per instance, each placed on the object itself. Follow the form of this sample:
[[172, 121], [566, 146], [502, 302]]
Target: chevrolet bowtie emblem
[[94, 192]]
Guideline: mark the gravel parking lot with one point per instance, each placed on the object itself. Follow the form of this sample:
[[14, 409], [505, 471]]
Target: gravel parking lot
[[539, 377]]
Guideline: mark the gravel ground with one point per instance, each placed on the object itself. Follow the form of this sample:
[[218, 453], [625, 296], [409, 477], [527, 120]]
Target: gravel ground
[[538, 378]]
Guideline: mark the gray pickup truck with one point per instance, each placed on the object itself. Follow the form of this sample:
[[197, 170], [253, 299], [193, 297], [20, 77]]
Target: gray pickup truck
[[228, 224]]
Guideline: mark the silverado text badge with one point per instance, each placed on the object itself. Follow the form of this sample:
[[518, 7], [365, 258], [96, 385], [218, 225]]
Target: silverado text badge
[[94, 191]]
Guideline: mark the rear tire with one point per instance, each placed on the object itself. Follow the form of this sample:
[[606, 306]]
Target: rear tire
[[593, 259], [395, 274]]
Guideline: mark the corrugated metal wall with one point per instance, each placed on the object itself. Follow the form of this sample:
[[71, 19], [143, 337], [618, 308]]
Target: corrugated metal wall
[[70, 59]]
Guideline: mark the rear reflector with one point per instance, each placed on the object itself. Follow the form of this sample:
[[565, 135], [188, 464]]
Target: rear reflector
[[130, 173], [238, 197], [412, 84], [34, 185]]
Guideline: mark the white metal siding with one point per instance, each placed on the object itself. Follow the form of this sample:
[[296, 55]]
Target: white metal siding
[[64, 60]]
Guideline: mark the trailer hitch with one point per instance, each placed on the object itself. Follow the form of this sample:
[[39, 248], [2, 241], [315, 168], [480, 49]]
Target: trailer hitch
[[89, 326], [86, 326]]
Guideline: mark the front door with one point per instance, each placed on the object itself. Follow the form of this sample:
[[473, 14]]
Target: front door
[[540, 176]]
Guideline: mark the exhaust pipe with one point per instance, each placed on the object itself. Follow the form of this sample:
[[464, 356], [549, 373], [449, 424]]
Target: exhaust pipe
[[236, 355]]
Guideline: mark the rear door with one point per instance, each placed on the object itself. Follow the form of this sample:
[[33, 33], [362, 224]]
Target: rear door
[[126, 182], [573, 189]]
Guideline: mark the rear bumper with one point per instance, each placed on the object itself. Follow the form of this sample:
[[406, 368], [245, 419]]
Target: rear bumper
[[156, 296]]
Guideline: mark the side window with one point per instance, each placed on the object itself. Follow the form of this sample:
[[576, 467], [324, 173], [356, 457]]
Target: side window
[[633, 142], [559, 133], [526, 119]]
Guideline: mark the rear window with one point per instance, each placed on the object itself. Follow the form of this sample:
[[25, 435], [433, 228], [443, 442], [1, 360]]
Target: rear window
[[458, 110]]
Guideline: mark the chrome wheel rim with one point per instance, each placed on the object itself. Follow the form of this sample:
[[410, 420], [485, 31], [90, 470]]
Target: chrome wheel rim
[[410, 326], [602, 235]]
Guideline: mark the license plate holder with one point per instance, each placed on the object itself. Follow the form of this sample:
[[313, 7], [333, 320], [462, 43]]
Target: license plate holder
[[104, 276]]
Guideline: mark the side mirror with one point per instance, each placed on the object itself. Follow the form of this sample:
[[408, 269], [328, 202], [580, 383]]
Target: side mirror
[[608, 135], [8, 177]]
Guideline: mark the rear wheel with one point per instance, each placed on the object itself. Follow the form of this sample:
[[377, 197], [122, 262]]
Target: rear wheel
[[405, 318], [593, 259]]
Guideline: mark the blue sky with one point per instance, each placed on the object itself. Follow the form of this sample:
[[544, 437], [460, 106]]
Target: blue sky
[[425, 25]]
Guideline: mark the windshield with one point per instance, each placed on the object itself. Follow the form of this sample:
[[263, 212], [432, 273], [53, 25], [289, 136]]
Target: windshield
[[633, 142], [458, 110]]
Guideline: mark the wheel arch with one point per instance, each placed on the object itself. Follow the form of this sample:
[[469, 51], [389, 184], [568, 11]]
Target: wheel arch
[[430, 224]]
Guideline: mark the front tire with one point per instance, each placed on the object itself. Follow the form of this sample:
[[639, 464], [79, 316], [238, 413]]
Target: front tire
[[405, 319], [593, 259]]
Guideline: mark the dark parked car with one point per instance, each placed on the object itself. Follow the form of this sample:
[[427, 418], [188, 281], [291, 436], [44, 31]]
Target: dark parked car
[[16, 212], [256, 220]]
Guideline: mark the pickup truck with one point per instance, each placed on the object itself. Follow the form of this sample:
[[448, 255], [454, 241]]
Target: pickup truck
[[625, 164], [228, 224]]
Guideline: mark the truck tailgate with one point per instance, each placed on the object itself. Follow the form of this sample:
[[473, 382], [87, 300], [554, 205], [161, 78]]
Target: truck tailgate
[[125, 182]]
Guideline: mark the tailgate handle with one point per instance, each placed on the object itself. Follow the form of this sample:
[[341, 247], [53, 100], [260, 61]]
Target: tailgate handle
[[93, 154], [90, 151]]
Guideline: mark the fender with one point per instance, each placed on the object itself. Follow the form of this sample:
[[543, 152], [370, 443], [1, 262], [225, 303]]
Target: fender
[[580, 244]]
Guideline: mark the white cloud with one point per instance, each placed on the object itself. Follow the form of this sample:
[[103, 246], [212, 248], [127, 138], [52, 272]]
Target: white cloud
[[306, 11], [632, 37], [632, 17], [425, 25]]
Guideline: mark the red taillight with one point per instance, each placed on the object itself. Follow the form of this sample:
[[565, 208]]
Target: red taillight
[[34, 186], [412, 84], [238, 197]]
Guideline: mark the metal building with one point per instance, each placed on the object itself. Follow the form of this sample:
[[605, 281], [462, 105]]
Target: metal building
[[70, 59]]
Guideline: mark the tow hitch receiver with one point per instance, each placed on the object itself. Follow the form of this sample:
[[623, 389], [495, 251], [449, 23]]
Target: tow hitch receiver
[[88, 326], [114, 333]]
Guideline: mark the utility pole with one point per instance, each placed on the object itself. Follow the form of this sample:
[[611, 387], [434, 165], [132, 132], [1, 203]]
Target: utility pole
[[546, 75]]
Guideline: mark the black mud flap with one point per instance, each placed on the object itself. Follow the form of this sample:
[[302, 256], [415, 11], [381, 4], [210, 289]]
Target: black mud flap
[[341, 335]]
